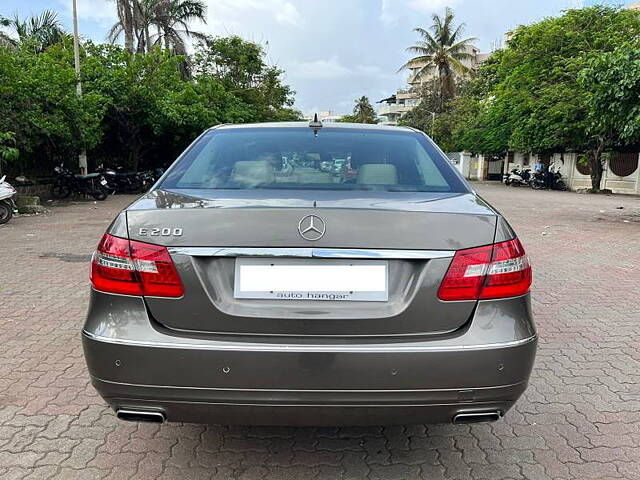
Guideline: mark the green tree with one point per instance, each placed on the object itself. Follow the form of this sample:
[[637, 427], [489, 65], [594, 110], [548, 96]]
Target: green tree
[[363, 112], [136, 109], [37, 31], [241, 68], [441, 48], [40, 105], [8, 150], [612, 86], [540, 100], [149, 108]]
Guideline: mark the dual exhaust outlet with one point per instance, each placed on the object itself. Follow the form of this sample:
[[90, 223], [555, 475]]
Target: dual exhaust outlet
[[150, 416]]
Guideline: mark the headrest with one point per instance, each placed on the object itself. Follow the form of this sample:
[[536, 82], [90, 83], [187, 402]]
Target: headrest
[[378, 174], [253, 172]]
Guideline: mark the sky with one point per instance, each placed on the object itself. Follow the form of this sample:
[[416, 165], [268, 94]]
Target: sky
[[332, 51]]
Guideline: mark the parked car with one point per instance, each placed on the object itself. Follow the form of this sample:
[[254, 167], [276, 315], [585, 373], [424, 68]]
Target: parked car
[[339, 166], [229, 295], [326, 166]]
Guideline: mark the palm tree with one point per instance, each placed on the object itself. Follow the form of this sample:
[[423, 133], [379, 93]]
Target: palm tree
[[125, 24], [171, 19], [441, 49], [40, 31], [5, 39], [363, 111]]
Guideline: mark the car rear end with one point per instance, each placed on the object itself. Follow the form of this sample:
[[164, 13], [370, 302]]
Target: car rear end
[[251, 286]]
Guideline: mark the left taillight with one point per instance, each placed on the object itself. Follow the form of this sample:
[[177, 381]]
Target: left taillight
[[134, 268]]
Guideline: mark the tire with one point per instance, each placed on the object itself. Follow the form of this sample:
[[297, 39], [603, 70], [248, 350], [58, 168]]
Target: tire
[[537, 185], [99, 194], [515, 184], [560, 185], [134, 186], [60, 190], [6, 212]]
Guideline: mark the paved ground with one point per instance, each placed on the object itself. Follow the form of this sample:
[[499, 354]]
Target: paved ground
[[580, 417]]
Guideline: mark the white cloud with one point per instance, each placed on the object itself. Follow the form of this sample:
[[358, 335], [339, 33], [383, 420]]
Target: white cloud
[[429, 6], [392, 10], [101, 11], [225, 11], [329, 69], [319, 69]]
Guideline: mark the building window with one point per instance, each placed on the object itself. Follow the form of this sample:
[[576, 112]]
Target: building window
[[525, 159], [623, 164]]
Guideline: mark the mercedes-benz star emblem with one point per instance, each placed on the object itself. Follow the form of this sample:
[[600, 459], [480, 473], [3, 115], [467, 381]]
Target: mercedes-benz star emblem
[[311, 228]]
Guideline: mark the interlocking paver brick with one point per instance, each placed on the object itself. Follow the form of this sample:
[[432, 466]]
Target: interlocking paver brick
[[579, 419]]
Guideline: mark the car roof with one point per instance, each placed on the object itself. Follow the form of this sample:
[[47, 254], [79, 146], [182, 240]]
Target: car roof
[[328, 125]]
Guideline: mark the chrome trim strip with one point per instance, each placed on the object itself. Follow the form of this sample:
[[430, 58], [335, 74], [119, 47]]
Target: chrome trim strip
[[311, 252], [272, 347]]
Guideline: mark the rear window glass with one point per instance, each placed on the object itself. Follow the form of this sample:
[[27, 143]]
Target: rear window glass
[[295, 158]]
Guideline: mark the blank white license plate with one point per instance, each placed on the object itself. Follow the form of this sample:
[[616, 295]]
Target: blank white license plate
[[312, 279]]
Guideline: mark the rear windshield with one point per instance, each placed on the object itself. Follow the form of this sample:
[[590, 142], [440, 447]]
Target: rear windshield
[[295, 158]]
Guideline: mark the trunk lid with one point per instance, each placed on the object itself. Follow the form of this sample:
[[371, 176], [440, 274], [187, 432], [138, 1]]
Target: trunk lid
[[362, 221]]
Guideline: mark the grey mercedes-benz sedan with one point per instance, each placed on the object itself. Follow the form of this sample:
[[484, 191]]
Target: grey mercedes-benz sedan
[[252, 286]]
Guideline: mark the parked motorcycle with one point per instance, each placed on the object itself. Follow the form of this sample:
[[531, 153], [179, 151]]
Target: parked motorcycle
[[119, 181], [67, 183], [149, 177], [548, 179], [7, 200], [518, 178]]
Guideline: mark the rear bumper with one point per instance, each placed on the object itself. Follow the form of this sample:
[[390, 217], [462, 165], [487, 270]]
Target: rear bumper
[[135, 365]]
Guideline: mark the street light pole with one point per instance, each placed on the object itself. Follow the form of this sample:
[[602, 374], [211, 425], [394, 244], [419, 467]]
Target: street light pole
[[82, 158]]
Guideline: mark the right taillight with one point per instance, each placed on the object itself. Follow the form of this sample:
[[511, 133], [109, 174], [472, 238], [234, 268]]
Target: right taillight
[[494, 271], [134, 268]]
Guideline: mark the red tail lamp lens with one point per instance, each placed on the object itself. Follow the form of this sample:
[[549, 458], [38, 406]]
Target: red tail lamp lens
[[501, 270], [134, 268]]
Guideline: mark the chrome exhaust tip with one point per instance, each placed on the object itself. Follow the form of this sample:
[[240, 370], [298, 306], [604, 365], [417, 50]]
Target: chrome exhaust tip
[[140, 416], [476, 417]]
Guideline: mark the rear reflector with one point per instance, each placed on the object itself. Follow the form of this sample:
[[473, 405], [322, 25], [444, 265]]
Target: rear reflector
[[494, 271], [134, 268]]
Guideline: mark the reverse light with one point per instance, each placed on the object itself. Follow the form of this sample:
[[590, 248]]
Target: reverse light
[[501, 270], [134, 268]]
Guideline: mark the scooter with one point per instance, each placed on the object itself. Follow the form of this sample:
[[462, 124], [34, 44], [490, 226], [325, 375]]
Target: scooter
[[518, 177], [548, 179], [7, 201]]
